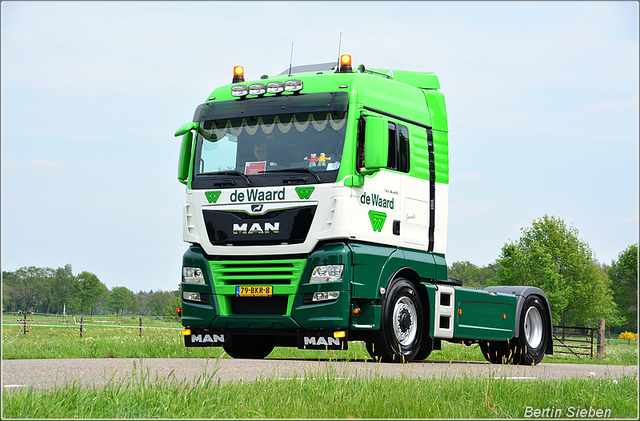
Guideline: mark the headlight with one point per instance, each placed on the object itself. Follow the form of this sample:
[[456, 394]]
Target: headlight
[[326, 295], [192, 276], [326, 273], [191, 296]]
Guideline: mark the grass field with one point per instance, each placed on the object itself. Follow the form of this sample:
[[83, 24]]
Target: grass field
[[103, 338], [323, 395]]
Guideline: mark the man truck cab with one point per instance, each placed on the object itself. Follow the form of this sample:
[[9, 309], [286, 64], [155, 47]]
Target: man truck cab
[[316, 215]]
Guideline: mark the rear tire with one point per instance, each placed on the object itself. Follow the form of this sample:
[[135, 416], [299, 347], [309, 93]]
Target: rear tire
[[254, 347], [400, 334], [496, 352], [530, 347]]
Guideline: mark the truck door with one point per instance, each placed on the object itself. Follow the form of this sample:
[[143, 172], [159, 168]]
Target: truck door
[[416, 194], [377, 215], [378, 199]]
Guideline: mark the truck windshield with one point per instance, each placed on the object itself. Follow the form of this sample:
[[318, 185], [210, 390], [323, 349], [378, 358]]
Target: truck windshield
[[270, 149]]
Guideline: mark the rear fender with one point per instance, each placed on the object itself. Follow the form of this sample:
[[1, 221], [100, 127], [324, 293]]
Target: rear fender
[[521, 293]]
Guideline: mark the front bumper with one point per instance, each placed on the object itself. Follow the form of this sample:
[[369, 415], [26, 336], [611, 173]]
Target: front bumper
[[289, 308], [303, 339]]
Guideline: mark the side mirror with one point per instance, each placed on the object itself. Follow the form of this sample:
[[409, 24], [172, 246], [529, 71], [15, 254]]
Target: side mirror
[[185, 128], [376, 143], [185, 157]]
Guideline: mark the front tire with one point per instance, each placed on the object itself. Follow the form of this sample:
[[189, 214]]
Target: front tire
[[254, 347], [423, 353], [401, 328]]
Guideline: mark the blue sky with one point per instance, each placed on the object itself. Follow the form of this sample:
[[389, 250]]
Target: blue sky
[[542, 100]]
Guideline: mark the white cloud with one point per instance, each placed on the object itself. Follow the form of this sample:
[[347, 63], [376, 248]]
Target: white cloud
[[612, 106], [46, 165]]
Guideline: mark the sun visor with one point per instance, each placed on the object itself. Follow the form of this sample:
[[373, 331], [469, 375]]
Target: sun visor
[[282, 104]]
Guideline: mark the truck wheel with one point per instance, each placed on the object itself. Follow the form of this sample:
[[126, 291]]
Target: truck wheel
[[496, 352], [400, 334], [423, 353], [255, 347], [530, 347]]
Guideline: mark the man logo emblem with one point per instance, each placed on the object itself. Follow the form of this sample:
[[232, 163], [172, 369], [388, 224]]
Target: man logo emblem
[[256, 208], [377, 220]]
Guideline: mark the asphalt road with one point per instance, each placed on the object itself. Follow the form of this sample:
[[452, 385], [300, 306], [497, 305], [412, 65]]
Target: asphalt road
[[43, 374]]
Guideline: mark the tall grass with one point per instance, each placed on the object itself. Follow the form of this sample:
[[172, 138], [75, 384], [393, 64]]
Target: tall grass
[[322, 395]]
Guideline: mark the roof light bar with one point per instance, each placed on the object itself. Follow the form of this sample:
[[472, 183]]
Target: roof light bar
[[294, 85], [257, 89], [275, 87], [239, 90]]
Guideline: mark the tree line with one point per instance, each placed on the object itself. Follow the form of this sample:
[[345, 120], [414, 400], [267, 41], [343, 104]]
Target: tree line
[[548, 255], [59, 291]]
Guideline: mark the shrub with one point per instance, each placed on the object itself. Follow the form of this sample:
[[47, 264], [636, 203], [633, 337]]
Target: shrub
[[629, 336]]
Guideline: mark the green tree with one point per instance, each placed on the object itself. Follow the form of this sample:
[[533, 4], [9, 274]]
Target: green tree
[[550, 256], [473, 276], [65, 294], [89, 290], [10, 299], [163, 303], [624, 279], [26, 286], [122, 299], [143, 299], [47, 288]]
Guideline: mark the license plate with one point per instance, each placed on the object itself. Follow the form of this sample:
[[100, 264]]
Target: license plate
[[254, 291]]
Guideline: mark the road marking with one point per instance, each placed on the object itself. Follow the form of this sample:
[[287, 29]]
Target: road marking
[[515, 378], [13, 385]]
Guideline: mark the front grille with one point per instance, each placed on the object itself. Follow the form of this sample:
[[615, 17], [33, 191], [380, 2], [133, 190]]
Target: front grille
[[283, 274], [276, 305], [257, 272]]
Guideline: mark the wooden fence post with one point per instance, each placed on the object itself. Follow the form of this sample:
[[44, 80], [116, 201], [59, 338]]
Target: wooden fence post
[[81, 320], [600, 339], [140, 325]]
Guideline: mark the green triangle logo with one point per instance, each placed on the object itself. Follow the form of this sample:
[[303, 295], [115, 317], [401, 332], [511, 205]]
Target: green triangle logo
[[377, 220], [212, 196], [304, 192]]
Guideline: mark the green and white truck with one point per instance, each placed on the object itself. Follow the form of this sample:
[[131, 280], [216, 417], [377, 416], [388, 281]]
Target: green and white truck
[[316, 215]]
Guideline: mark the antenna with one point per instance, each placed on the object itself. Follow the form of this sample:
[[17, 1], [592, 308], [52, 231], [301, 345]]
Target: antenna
[[291, 59], [339, 45]]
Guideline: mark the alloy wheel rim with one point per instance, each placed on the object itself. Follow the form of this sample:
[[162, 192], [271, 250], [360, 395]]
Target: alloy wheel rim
[[533, 327], [405, 316]]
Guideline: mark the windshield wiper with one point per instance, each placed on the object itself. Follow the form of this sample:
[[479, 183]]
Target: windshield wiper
[[309, 170], [241, 174]]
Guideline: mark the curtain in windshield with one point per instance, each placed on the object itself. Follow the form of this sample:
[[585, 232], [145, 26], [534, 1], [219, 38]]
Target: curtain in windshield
[[254, 145]]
